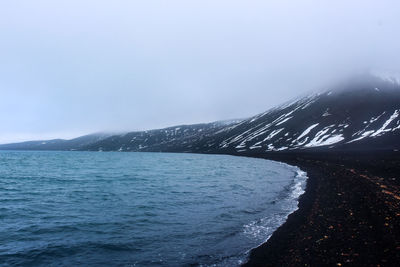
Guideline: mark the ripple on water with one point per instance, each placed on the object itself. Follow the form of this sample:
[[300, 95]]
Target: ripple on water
[[86, 208]]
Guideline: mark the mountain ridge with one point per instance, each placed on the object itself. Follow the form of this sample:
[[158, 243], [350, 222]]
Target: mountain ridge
[[359, 113]]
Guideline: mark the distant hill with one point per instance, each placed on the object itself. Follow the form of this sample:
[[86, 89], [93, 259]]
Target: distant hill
[[180, 138], [57, 144]]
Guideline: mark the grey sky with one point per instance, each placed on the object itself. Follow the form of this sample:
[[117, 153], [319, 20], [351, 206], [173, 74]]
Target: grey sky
[[74, 67]]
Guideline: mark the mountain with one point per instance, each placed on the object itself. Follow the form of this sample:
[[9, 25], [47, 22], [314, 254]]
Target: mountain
[[182, 138], [360, 113], [57, 144]]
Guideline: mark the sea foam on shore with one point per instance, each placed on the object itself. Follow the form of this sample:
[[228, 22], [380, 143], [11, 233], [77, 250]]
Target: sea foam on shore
[[263, 228]]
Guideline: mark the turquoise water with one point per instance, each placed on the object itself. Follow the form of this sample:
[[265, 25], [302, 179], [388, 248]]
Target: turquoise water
[[139, 209]]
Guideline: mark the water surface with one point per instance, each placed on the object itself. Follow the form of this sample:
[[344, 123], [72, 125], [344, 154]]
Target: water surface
[[139, 209]]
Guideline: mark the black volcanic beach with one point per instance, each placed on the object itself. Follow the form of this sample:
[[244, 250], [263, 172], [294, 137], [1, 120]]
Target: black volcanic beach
[[348, 216], [200, 133]]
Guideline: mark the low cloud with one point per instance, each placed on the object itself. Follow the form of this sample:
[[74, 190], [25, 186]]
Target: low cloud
[[73, 67]]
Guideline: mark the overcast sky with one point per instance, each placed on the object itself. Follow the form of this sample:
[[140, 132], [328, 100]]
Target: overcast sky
[[70, 67]]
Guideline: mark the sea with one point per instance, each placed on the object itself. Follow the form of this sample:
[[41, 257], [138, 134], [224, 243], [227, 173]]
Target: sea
[[140, 209]]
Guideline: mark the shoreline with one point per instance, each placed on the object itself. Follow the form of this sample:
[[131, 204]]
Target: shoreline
[[347, 215], [300, 180]]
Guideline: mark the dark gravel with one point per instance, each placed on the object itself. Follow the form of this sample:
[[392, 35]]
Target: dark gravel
[[349, 215]]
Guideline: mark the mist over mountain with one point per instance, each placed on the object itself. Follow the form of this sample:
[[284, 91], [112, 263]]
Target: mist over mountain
[[70, 68], [359, 113]]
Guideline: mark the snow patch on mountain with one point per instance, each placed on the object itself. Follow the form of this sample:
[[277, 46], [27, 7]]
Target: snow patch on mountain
[[387, 76], [386, 124], [307, 131]]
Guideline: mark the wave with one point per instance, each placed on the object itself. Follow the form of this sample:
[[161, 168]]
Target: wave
[[263, 228]]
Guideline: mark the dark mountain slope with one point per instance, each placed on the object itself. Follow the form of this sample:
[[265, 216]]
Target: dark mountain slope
[[173, 139], [361, 113], [56, 144]]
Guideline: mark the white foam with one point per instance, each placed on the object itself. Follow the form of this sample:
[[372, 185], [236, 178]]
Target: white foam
[[263, 228], [297, 189]]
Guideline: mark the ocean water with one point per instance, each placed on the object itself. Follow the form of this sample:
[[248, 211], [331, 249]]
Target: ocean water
[[139, 209]]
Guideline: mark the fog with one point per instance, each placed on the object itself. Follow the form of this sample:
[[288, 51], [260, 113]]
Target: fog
[[69, 68]]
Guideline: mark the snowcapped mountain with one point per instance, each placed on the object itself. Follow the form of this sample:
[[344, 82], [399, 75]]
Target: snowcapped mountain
[[172, 139], [361, 113]]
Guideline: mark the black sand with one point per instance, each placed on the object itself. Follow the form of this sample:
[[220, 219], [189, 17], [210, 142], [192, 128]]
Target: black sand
[[349, 215]]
